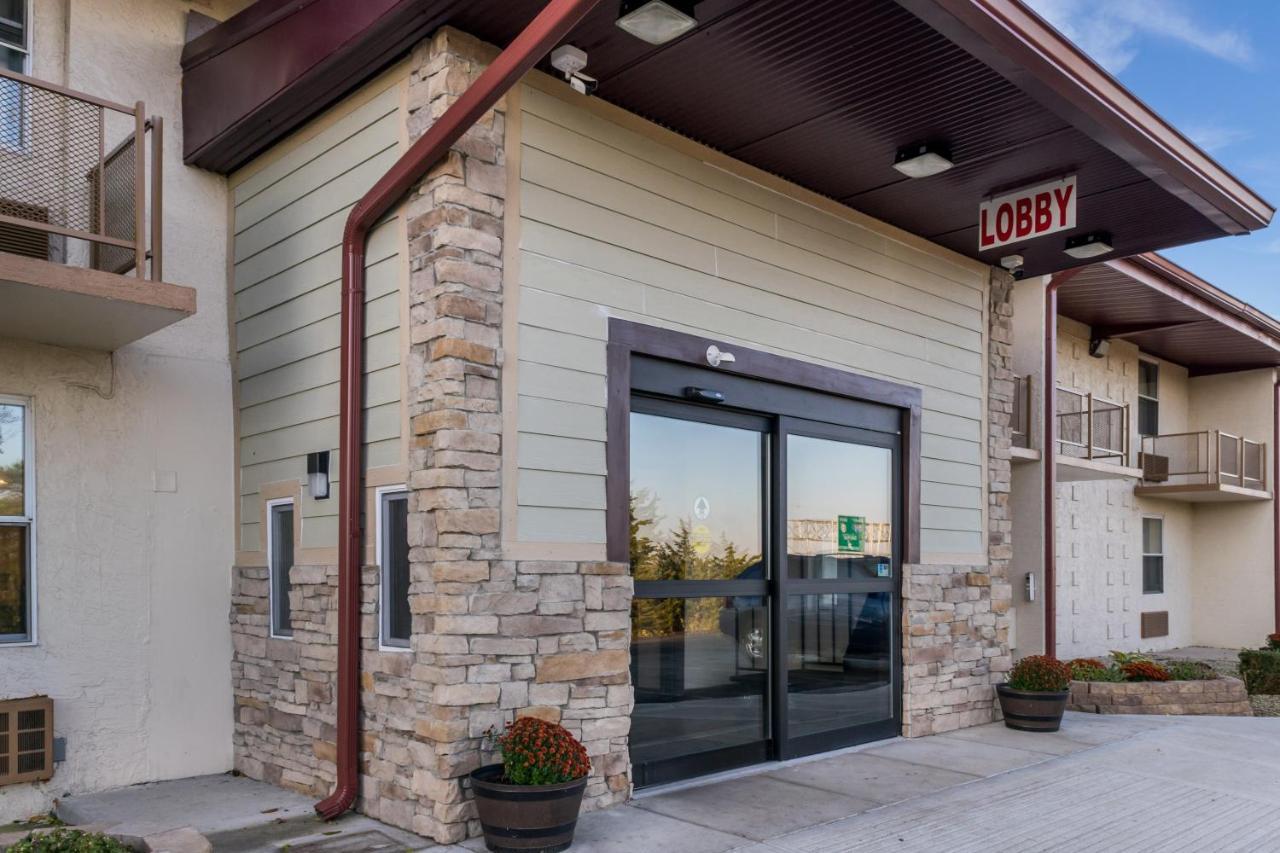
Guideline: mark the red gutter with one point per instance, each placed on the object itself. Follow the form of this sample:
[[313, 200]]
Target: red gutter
[[543, 33], [1049, 454]]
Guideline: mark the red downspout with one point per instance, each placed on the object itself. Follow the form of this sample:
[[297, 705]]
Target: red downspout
[[1275, 493], [544, 32], [1049, 455]]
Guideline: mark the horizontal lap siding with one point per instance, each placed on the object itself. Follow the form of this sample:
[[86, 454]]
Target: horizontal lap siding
[[289, 217], [614, 224]]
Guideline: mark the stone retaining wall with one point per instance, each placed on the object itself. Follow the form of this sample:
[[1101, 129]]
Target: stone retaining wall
[[1220, 696]]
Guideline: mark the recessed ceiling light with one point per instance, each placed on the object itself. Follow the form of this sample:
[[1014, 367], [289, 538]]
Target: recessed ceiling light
[[1092, 245], [922, 160], [657, 21]]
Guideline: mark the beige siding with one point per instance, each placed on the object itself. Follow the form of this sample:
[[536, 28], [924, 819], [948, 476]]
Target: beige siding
[[289, 211], [618, 224]]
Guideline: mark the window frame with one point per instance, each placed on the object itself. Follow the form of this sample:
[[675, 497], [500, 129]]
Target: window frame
[[22, 146], [1160, 554], [271, 506], [27, 520], [1154, 365], [382, 496]]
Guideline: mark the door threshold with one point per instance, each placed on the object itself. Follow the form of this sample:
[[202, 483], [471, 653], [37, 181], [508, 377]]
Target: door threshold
[[754, 769]]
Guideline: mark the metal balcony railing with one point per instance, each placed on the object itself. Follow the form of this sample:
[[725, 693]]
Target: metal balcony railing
[[73, 178], [1020, 421], [1090, 427], [1208, 457]]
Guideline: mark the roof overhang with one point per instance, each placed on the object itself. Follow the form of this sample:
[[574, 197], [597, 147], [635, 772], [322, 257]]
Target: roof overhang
[[1172, 314], [819, 92]]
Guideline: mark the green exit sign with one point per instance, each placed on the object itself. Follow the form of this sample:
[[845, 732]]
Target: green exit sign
[[849, 532]]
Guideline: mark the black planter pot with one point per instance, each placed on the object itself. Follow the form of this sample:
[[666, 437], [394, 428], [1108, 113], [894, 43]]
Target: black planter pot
[[1032, 712], [526, 818]]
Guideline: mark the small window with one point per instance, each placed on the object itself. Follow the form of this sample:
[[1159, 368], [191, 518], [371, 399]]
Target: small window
[[1148, 398], [393, 558], [279, 562], [1152, 555], [17, 515], [15, 55]]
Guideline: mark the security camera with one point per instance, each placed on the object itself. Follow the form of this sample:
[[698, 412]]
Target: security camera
[[582, 84], [1012, 263], [1019, 274], [570, 61]]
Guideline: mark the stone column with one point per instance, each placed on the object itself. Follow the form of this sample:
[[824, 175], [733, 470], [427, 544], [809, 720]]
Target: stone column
[[493, 638], [956, 618]]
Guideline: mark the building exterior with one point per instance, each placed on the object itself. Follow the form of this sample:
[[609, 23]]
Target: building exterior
[[1165, 513], [115, 393], [703, 449]]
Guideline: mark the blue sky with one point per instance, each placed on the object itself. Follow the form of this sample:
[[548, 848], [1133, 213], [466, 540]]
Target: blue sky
[[1211, 67]]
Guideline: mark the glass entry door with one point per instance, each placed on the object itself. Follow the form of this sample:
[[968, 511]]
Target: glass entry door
[[700, 617], [839, 495], [765, 623]]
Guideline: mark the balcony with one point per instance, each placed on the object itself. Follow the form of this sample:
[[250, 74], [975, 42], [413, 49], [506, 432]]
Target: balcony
[[1093, 438], [78, 265], [1203, 467]]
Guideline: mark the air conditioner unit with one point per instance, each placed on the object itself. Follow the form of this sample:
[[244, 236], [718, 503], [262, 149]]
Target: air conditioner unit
[[1155, 468], [26, 740], [22, 239]]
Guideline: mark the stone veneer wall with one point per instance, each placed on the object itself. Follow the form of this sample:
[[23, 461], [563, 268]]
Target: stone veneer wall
[[492, 638], [956, 618]]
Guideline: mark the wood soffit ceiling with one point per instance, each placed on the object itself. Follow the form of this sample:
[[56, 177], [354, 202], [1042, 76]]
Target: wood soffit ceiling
[[819, 92]]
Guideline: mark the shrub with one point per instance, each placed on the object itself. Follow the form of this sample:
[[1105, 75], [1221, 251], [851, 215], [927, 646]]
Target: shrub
[[535, 752], [1190, 670], [1040, 674], [69, 840], [1082, 668], [1122, 658], [1273, 641], [1260, 669], [1144, 670]]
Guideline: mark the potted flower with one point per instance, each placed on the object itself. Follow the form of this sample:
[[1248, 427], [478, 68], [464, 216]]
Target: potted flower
[[530, 802], [1035, 696]]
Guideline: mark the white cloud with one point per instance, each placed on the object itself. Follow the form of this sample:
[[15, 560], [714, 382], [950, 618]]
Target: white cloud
[[1213, 138], [1109, 30]]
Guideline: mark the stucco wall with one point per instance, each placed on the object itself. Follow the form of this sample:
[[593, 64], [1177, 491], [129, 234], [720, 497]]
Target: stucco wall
[[1099, 541], [1233, 583], [132, 580]]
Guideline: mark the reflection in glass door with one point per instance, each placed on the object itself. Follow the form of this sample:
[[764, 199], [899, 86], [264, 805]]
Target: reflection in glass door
[[732, 662], [839, 587], [700, 620]]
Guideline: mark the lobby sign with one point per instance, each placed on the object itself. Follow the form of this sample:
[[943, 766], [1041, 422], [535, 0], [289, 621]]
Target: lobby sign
[[1027, 213]]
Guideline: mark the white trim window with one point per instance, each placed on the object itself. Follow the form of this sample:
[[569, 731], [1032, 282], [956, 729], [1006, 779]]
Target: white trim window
[[279, 562], [15, 55], [17, 522], [1148, 398], [395, 618], [1152, 555]]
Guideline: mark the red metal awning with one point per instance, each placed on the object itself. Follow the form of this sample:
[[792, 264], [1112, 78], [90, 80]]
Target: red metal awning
[[820, 92]]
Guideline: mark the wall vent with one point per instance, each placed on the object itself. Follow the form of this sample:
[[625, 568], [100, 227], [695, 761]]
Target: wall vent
[[21, 239], [1155, 624], [26, 740]]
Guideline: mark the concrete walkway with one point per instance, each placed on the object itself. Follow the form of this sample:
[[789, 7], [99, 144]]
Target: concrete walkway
[[1103, 783]]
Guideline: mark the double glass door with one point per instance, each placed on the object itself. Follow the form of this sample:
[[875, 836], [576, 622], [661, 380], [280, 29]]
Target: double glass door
[[765, 620]]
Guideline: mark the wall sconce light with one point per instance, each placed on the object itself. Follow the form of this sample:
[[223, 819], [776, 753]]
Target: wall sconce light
[[1090, 245], [922, 160], [1099, 347], [318, 474], [657, 21]]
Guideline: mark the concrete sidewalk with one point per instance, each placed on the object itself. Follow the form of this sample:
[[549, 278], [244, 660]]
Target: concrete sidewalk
[[1103, 783]]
